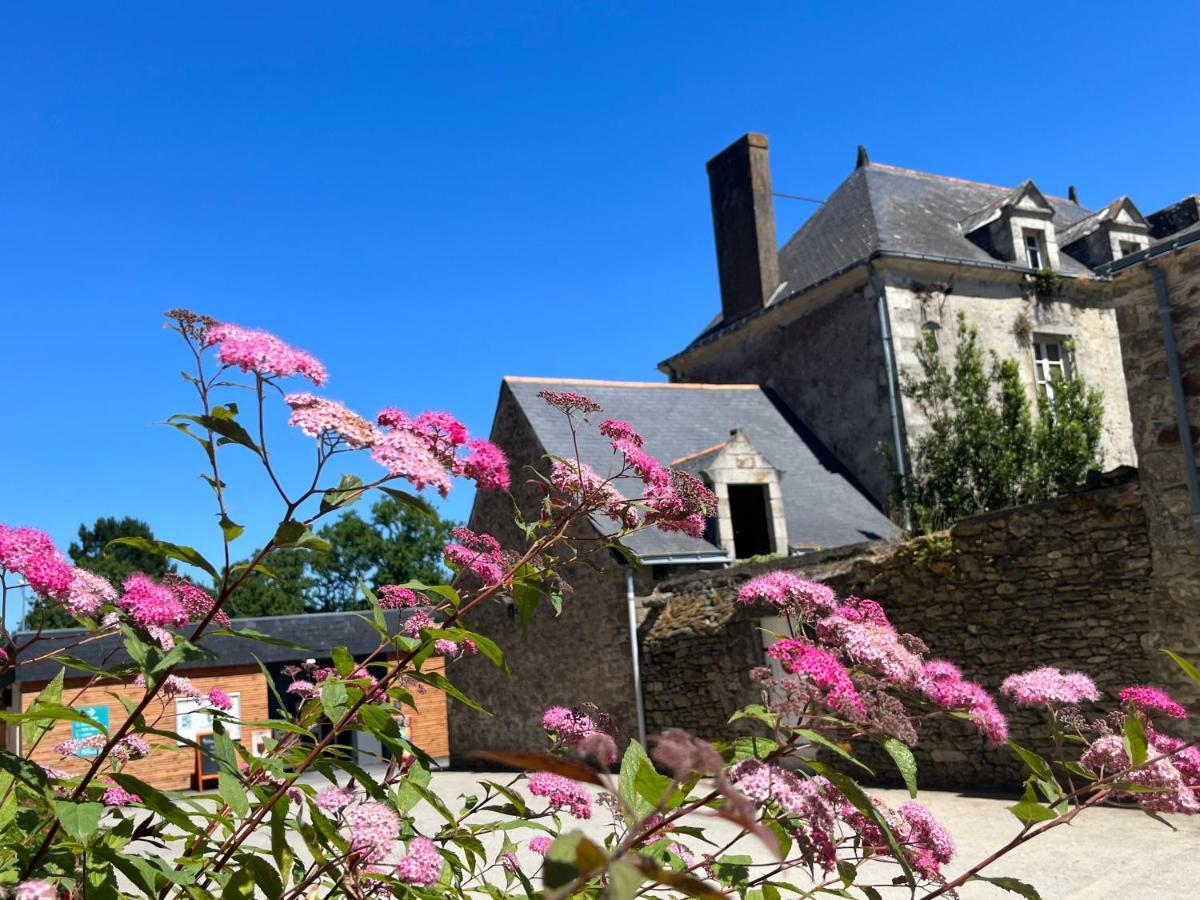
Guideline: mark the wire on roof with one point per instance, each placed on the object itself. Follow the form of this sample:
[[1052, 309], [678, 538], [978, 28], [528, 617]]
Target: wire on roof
[[798, 197]]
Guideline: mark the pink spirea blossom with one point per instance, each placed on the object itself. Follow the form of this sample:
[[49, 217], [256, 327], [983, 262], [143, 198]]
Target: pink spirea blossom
[[165, 639], [118, 796], [1049, 685], [392, 596], [149, 603], [129, 747], [416, 622], [928, 840], [263, 353], [373, 828], [319, 417], [859, 609], [617, 430], [422, 865], [35, 890], [579, 481], [88, 593], [333, 798], [196, 602], [682, 503], [540, 844], [562, 793], [476, 553], [569, 402], [943, 683], [873, 646], [407, 455], [688, 857], [1151, 699], [808, 798], [567, 726], [799, 657], [788, 593], [218, 699], [509, 861], [1172, 793], [302, 689], [486, 465], [31, 553], [173, 686], [1183, 757]]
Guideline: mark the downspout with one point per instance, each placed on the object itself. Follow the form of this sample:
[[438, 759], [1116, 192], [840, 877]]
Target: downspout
[[1181, 415], [889, 364], [635, 655]]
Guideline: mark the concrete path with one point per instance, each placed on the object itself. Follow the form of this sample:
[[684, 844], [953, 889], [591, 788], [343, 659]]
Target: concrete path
[[1107, 854]]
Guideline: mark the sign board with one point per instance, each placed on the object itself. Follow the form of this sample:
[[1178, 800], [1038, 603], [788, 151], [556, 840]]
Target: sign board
[[194, 717], [81, 731], [207, 767]]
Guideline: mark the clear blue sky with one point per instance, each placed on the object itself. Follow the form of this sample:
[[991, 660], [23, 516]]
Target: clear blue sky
[[430, 196]]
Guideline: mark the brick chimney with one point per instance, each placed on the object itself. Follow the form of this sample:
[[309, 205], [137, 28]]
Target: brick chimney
[[739, 180]]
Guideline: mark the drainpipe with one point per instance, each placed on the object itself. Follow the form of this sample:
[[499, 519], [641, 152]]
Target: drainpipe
[[635, 655], [1181, 415], [889, 364]]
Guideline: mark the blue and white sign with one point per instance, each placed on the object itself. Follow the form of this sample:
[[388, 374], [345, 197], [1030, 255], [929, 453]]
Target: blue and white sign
[[81, 731]]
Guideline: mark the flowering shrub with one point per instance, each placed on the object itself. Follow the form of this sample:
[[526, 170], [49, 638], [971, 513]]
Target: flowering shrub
[[301, 820]]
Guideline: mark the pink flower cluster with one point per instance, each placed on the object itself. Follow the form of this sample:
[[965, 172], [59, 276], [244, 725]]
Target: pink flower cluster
[[810, 799], [822, 668], [944, 685], [1049, 685], [262, 353], [562, 793], [1172, 790], [332, 799], [477, 553], [455, 649], [392, 596], [1151, 700], [926, 843], [416, 622], [422, 865], [373, 829], [318, 417], [305, 690], [617, 430], [173, 686], [540, 844], [129, 747], [88, 593], [569, 402], [580, 481], [424, 450], [566, 726], [150, 603], [677, 500], [31, 553], [35, 890], [117, 795], [788, 593], [218, 699], [857, 630]]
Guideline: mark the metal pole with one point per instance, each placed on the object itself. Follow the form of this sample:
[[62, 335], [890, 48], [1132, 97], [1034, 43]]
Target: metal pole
[[635, 655], [1181, 414]]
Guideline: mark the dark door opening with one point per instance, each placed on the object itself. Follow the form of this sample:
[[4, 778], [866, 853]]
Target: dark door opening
[[749, 512]]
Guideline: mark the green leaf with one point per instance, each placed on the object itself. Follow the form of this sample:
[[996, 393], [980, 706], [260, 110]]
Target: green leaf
[[1135, 741], [343, 661], [188, 555], [55, 711], [623, 881], [233, 792], [560, 868], [439, 681], [296, 534], [350, 488], [757, 712], [1029, 811], [157, 801], [79, 820], [1037, 764], [333, 698], [905, 762], [526, 598], [411, 501], [231, 529], [240, 885], [815, 737], [221, 422], [1191, 671], [486, 646], [636, 806], [23, 770], [1012, 885], [251, 634]]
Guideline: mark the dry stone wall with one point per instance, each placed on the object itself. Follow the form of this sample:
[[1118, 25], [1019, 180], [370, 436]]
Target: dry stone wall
[[1066, 582]]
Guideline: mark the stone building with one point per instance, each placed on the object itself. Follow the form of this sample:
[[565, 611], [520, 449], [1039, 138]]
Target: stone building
[[780, 493], [830, 320]]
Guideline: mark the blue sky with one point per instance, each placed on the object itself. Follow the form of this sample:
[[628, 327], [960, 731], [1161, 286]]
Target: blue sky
[[430, 196]]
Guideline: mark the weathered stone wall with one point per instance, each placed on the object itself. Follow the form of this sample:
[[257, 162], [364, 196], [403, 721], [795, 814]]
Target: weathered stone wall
[[581, 656], [1164, 454], [1066, 582]]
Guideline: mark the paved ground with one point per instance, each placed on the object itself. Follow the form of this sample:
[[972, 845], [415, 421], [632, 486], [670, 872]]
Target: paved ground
[[1108, 854]]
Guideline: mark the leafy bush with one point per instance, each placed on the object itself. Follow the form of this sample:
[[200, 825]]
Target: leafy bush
[[87, 827]]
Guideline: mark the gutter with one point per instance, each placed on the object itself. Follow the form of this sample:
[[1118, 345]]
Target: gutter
[[1180, 401], [889, 364], [635, 655]]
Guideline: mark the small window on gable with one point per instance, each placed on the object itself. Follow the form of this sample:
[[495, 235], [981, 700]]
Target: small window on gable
[[1128, 247], [750, 515], [1035, 248], [1051, 363]]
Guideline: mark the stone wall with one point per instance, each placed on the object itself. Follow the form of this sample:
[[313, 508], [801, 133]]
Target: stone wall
[[581, 656], [1163, 453], [1066, 582]]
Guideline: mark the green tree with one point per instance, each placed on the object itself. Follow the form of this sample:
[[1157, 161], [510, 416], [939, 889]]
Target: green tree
[[396, 544], [983, 448]]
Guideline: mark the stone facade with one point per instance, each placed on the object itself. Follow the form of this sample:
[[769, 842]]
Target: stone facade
[[1164, 454], [823, 353], [1067, 582]]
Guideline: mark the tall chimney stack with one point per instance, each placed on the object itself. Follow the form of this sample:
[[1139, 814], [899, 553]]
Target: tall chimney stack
[[739, 180]]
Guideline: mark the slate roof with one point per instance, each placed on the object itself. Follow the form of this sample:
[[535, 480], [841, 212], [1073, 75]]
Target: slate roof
[[316, 633], [822, 504], [881, 208]]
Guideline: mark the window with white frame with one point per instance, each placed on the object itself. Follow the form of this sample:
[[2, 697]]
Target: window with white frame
[[1035, 248], [1128, 247], [1051, 363]]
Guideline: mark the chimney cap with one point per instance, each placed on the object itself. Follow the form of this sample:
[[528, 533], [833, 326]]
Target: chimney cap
[[1072, 194], [862, 159]]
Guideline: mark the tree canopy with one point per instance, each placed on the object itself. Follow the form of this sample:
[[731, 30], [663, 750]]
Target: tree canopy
[[984, 448]]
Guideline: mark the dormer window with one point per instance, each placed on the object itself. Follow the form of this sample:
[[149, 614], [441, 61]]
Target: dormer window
[[1129, 247], [1035, 249]]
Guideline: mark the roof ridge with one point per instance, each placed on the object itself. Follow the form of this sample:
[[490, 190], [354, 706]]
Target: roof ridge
[[699, 453], [956, 180], [699, 386]]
